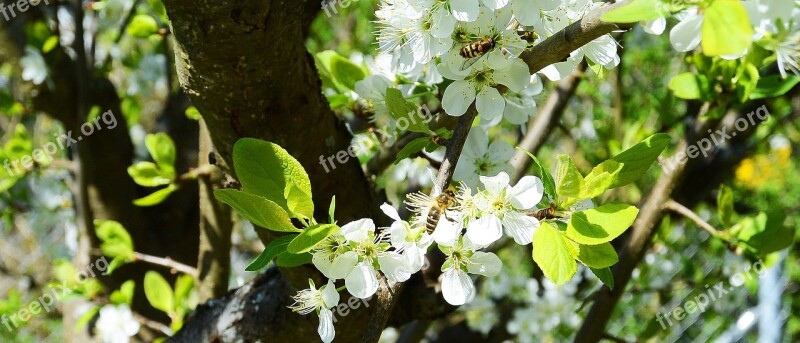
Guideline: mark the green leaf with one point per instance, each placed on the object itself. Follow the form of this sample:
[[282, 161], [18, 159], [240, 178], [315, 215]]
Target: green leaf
[[142, 26], [773, 86], [726, 28], [411, 148], [346, 72], [605, 275], [116, 242], [148, 174], [298, 201], [158, 292], [162, 149], [258, 210], [50, 44], [332, 210], [124, 295], [600, 179], [404, 112], [193, 114], [595, 256], [725, 205], [289, 260], [691, 86], [551, 251], [276, 247], [310, 237], [638, 159], [602, 224], [183, 288], [267, 170], [542, 172], [158, 8], [569, 180], [766, 233], [636, 11], [156, 197]]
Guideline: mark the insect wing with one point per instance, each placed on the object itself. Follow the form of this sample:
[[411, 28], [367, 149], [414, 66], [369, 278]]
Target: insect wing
[[469, 62]]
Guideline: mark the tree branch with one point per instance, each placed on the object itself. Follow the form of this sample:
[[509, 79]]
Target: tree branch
[[546, 119], [165, 262], [557, 47], [676, 207]]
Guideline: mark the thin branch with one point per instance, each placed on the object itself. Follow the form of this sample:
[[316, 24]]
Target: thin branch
[[674, 206], [153, 324], [454, 148], [540, 128], [557, 47], [166, 262]]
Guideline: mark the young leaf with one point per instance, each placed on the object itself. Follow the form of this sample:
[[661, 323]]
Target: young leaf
[[332, 210], [773, 86], [183, 288], [412, 147], [691, 86], [346, 72], [636, 11], [116, 242], [551, 251], [267, 170], [569, 180], [601, 224], [298, 201], [404, 112], [289, 260], [310, 237], [595, 256], [156, 197], [766, 233], [638, 159], [162, 148], [257, 210], [600, 179], [148, 174], [542, 172], [158, 292], [725, 205], [142, 26], [726, 28], [605, 275], [124, 295], [273, 249]]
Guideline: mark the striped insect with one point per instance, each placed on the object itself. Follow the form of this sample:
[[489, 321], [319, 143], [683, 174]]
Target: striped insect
[[473, 51]]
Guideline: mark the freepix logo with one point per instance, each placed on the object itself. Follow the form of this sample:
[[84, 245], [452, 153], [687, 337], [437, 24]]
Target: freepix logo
[[62, 141], [22, 6]]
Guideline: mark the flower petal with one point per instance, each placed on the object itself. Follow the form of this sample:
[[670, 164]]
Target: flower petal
[[329, 295], [457, 97], [485, 230], [457, 287], [484, 263], [526, 193], [520, 227], [358, 230], [465, 10], [495, 185], [490, 103], [326, 330], [390, 211], [394, 267], [362, 282], [685, 36]]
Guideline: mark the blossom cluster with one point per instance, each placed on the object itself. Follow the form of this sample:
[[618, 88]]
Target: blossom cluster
[[443, 36], [359, 251]]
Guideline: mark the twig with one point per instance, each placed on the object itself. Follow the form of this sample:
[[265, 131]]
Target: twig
[[674, 206], [454, 148], [165, 262], [562, 43], [540, 128], [153, 324]]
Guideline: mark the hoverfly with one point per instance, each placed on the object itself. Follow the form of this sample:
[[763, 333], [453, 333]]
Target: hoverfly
[[433, 208], [546, 213], [528, 36]]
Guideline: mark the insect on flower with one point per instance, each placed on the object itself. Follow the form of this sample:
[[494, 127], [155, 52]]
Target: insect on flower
[[432, 208]]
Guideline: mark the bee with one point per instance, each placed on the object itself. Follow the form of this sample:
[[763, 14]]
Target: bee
[[477, 48], [545, 213], [433, 208], [473, 51], [528, 36]]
